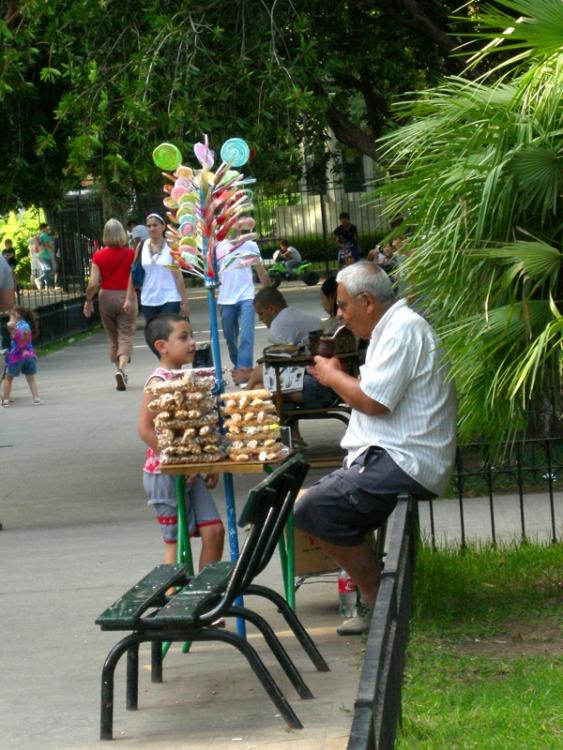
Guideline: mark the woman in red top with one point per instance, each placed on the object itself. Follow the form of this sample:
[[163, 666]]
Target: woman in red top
[[111, 268]]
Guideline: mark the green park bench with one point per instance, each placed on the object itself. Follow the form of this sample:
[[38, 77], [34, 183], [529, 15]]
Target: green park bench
[[191, 613]]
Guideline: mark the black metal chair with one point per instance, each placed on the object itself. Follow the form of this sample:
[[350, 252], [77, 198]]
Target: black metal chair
[[190, 614]]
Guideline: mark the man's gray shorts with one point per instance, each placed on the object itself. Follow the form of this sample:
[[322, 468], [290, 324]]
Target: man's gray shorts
[[346, 505]]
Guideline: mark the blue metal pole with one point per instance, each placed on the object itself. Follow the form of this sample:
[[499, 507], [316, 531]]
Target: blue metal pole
[[211, 284]]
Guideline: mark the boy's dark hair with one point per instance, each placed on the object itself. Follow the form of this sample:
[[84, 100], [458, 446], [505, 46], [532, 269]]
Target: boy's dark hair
[[284, 243], [159, 328], [28, 316], [344, 215], [42, 226], [269, 296]]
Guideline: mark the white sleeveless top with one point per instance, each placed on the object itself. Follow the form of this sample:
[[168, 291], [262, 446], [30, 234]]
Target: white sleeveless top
[[159, 285]]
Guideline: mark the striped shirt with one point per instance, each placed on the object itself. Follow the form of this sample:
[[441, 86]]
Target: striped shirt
[[405, 372]]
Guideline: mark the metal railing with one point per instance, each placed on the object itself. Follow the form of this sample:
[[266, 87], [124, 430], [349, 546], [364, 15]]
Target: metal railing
[[304, 218], [377, 708], [528, 466]]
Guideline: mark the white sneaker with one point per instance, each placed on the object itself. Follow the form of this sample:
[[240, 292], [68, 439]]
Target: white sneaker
[[360, 623]]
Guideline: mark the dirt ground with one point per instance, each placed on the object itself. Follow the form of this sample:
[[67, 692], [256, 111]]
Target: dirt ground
[[516, 640]]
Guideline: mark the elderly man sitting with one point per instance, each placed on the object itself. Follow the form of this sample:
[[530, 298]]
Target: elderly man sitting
[[401, 435]]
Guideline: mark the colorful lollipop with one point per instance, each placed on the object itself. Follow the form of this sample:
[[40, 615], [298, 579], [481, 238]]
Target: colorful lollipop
[[204, 155], [235, 151], [167, 156]]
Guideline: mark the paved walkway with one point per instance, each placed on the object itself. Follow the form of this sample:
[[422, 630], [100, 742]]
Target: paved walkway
[[78, 533]]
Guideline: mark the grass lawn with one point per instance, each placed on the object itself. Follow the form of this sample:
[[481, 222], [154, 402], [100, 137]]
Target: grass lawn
[[55, 346], [485, 660]]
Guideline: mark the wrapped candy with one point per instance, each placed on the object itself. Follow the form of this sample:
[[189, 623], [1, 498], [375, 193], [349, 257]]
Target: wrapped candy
[[253, 426]]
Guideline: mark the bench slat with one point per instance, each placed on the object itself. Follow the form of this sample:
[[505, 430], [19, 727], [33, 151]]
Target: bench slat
[[187, 604], [126, 612]]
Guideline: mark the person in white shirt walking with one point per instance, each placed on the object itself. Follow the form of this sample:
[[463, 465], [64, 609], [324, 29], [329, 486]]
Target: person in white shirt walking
[[236, 306], [402, 431]]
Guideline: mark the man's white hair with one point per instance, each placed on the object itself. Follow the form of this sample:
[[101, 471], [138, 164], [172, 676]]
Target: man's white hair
[[367, 277]]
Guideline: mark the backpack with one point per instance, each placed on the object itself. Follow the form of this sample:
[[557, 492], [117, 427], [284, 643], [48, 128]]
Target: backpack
[[35, 244]]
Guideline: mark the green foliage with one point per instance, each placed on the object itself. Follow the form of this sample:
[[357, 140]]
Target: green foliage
[[20, 226], [483, 665], [477, 174], [90, 88]]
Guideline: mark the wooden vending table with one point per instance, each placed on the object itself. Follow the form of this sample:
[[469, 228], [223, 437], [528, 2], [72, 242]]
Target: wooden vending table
[[227, 466]]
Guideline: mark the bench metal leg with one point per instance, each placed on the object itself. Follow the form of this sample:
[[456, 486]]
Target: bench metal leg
[[276, 648], [289, 616], [259, 669], [132, 700], [157, 655], [108, 672]]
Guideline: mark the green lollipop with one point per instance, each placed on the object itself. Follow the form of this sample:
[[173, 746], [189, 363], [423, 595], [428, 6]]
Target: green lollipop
[[167, 157]]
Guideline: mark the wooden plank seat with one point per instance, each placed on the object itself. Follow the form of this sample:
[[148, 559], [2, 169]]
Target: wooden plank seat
[[192, 613]]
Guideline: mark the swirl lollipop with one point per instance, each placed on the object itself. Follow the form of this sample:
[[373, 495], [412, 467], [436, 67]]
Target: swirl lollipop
[[167, 156], [204, 155], [235, 151]]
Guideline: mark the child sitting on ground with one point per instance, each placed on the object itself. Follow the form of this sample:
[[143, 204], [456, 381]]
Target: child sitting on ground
[[21, 357], [169, 337]]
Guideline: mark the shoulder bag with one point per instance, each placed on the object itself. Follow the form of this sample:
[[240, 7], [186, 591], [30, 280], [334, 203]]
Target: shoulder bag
[[137, 270]]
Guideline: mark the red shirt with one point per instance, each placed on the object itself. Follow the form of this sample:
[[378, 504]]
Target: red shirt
[[115, 266]]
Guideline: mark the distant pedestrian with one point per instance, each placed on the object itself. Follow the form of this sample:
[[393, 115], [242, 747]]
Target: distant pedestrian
[[163, 287], [22, 357], [111, 269], [44, 250], [236, 305], [345, 236]]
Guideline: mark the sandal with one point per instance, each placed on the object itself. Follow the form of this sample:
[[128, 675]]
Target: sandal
[[6, 402], [37, 401]]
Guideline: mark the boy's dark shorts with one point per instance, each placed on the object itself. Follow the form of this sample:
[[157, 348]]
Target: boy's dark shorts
[[346, 505]]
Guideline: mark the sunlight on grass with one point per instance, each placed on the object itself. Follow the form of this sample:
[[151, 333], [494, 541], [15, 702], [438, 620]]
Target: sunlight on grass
[[472, 680]]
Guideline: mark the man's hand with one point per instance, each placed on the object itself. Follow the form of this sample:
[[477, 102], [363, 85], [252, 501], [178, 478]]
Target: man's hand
[[324, 367]]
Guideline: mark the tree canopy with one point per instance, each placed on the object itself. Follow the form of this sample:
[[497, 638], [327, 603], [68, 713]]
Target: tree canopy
[[91, 87]]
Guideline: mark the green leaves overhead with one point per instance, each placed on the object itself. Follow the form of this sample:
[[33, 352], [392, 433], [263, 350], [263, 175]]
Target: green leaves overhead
[[131, 73], [477, 176]]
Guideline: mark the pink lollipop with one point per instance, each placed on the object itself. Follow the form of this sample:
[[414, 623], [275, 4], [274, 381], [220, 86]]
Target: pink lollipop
[[187, 228], [203, 154], [177, 192], [183, 182]]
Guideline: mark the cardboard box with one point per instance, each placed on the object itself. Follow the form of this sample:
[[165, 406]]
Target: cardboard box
[[310, 559]]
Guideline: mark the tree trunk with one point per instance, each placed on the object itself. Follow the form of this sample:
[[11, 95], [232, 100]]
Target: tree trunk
[[351, 135]]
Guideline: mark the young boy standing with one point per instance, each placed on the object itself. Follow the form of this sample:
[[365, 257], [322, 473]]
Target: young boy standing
[[169, 337]]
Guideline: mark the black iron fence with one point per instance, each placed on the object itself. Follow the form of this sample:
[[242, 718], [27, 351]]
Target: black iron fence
[[304, 218], [377, 708], [527, 467]]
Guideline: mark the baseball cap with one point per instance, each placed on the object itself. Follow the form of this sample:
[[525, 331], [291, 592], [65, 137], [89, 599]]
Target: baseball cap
[[140, 232]]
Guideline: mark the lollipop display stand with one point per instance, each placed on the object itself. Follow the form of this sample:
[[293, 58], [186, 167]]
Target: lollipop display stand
[[208, 226]]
